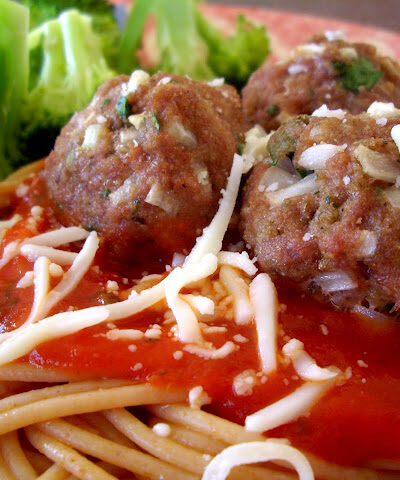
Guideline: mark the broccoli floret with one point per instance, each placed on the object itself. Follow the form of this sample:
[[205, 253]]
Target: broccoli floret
[[67, 66], [189, 44], [14, 24], [236, 57], [102, 14]]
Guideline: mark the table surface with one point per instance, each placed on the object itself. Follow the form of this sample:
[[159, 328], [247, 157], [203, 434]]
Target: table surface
[[382, 13]]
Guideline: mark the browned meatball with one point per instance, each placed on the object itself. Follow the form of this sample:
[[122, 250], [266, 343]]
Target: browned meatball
[[337, 230], [145, 162], [336, 73]]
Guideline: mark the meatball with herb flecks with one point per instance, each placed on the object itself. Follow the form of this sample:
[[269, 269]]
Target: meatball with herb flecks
[[323, 209], [145, 162], [327, 70]]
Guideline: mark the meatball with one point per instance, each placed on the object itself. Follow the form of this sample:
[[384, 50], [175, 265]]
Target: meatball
[[336, 73], [323, 210], [145, 162]]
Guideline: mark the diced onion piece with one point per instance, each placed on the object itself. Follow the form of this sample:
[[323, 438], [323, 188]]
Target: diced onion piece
[[181, 134], [376, 164], [393, 195], [324, 111], [289, 408], [255, 147], [254, 452], [276, 178], [368, 243], [92, 135], [395, 133], [137, 78], [302, 187], [348, 53], [310, 50], [315, 157], [138, 119], [162, 198], [335, 281], [383, 110], [304, 364]]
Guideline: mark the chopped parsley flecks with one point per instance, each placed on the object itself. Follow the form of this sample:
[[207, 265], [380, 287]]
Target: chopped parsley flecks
[[106, 101], [123, 107], [328, 199], [272, 109], [359, 73], [156, 121], [105, 194], [136, 206], [303, 173], [91, 228]]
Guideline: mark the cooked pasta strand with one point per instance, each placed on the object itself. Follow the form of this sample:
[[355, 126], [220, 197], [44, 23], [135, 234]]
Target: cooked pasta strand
[[67, 457], [55, 472], [111, 452], [82, 402], [29, 373], [31, 396], [15, 457], [39, 462], [206, 423], [232, 433], [107, 430], [163, 448], [5, 472], [192, 439]]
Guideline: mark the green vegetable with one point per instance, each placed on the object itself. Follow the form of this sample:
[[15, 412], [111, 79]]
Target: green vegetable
[[189, 44], [123, 107], [67, 66], [136, 206], [156, 121], [101, 12], [235, 58], [14, 24], [359, 73], [105, 194], [272, 109]]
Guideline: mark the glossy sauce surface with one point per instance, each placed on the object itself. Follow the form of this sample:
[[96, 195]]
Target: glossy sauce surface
[[354, 423]]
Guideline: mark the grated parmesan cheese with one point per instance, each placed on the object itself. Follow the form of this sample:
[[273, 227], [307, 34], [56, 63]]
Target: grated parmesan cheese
[[198, 397], [162, 429]]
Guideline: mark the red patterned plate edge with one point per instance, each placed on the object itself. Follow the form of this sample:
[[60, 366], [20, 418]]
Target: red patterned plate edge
[[288, 29]]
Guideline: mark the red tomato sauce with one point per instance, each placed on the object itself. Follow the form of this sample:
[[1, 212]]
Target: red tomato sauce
[[355, 422]]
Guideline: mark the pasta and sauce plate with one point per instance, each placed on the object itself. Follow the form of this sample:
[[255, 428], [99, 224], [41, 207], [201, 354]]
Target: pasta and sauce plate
[[142, 337]]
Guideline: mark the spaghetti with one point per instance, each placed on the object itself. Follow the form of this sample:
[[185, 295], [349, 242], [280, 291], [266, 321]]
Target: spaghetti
[[212, 313]]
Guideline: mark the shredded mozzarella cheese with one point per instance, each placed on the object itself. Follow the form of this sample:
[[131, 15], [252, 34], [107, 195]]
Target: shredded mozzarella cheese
[[265, 303], [254, 452]]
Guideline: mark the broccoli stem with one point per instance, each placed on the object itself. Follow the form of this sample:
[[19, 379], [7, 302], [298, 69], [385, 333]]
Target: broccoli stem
[[14, 26], [132, 35]]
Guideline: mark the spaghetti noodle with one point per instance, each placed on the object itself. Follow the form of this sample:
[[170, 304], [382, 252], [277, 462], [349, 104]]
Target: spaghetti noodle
[[83, 426]]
